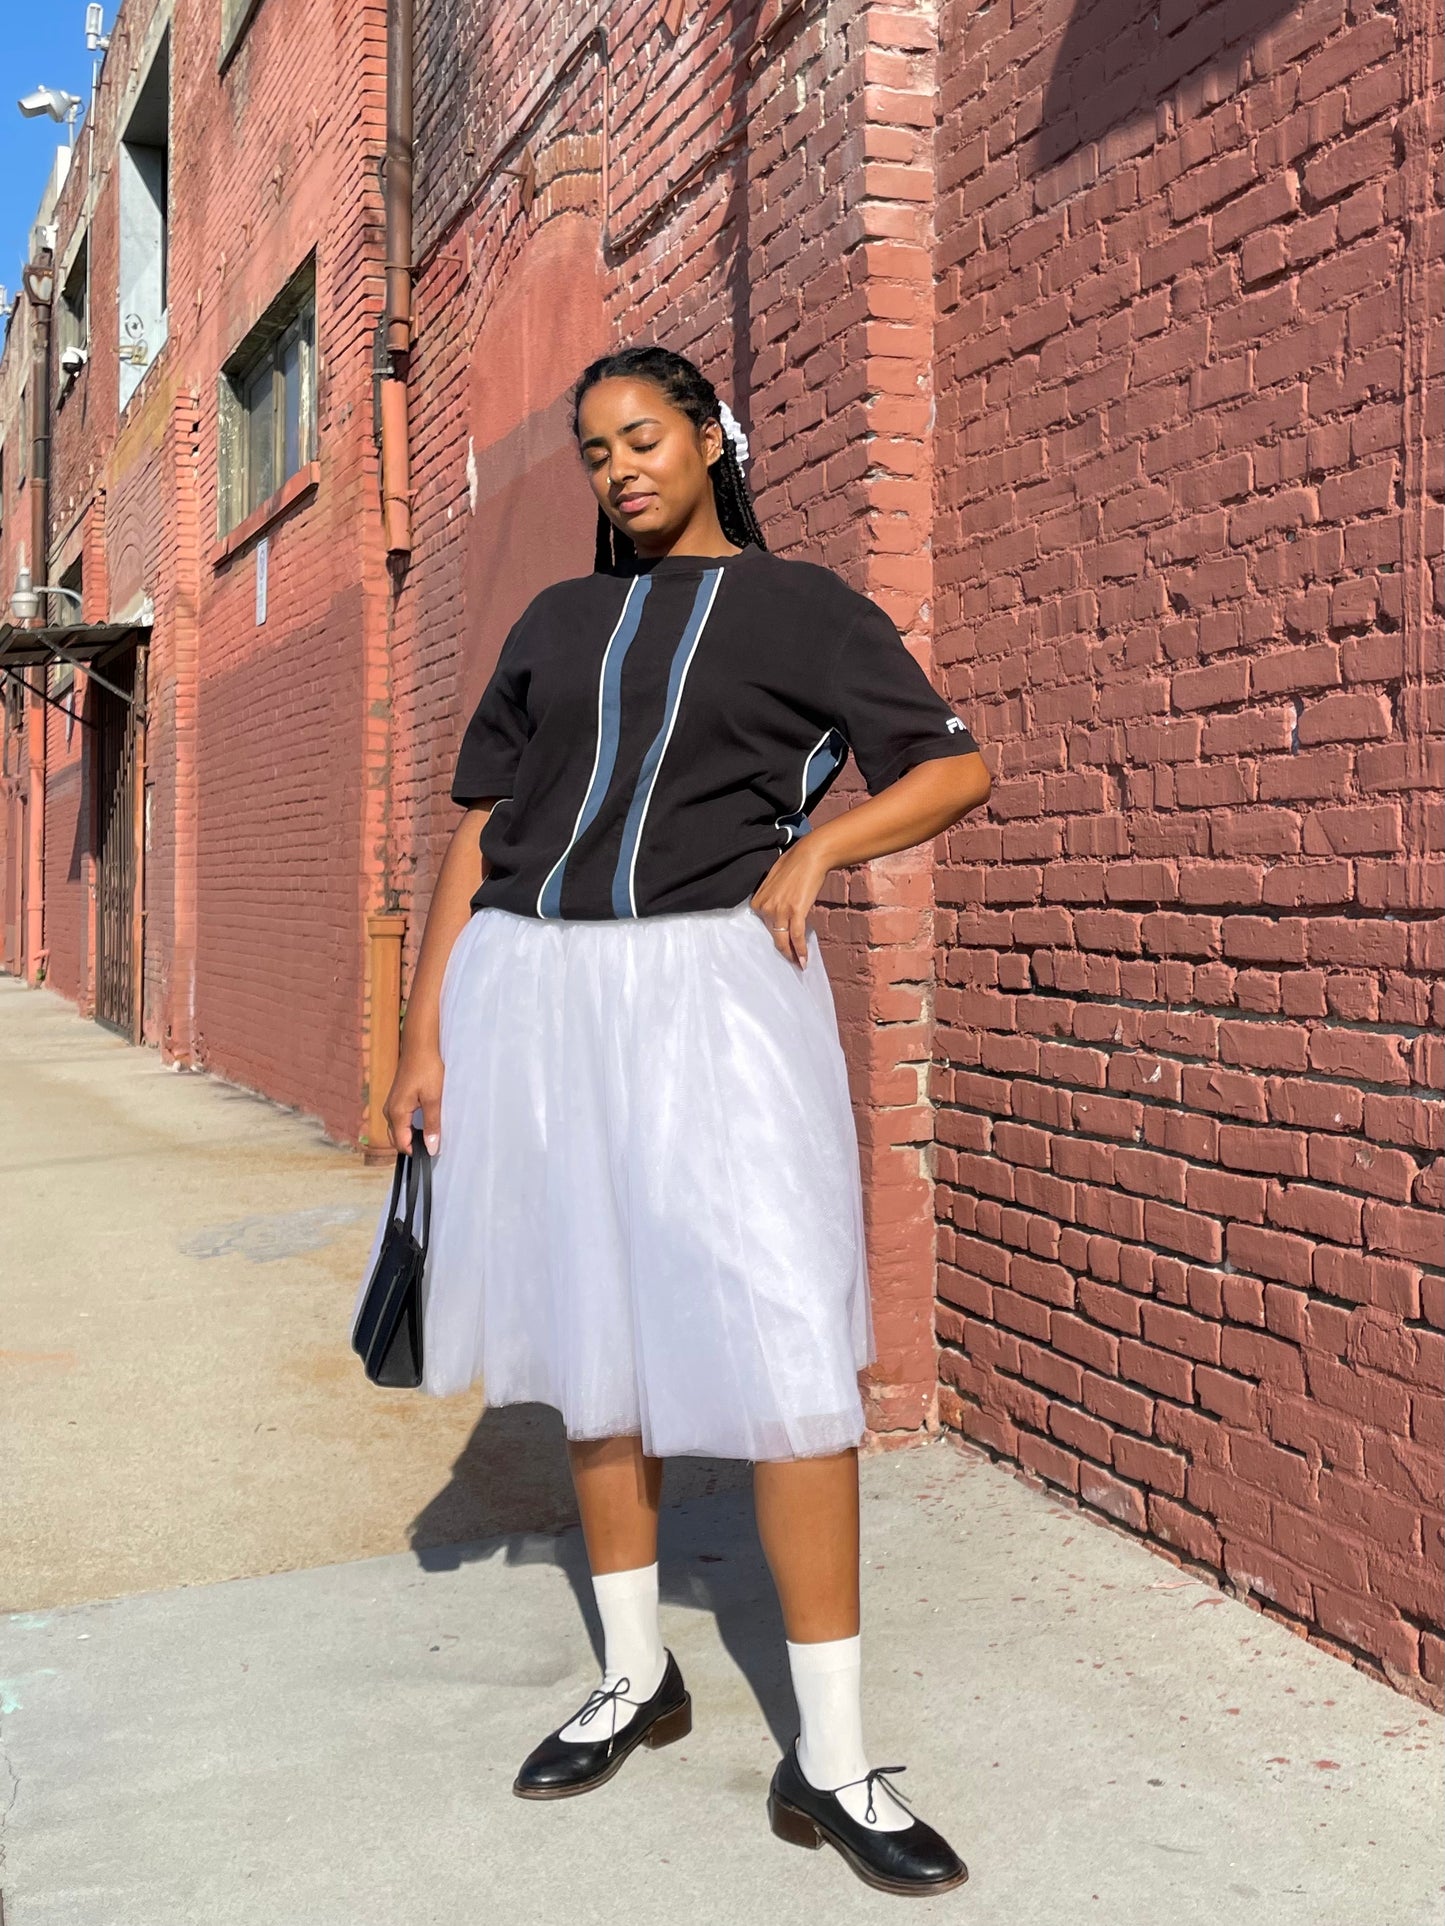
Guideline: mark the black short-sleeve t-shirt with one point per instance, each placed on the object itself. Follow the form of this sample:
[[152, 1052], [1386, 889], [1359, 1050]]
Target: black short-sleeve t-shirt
[[656, 739]]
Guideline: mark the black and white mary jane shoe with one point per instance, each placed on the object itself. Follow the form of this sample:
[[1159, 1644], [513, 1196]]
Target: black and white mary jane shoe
[[558, 1766], [912, 1859]]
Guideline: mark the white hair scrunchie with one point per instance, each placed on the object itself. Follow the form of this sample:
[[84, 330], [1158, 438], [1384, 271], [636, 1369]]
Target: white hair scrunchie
[[733, 431]]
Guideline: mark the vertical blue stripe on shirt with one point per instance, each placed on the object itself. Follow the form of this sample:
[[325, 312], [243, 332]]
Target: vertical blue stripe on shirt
[[624, 897], [823, 759], [604, 756]]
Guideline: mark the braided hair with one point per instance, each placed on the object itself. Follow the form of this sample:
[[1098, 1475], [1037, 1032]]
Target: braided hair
[[688, 389]]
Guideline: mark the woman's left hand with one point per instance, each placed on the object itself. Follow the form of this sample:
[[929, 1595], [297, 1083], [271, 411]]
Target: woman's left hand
[[785, 897]]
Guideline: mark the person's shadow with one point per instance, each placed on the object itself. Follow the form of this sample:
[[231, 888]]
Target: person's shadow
[[511, 1497], [1117, 60]]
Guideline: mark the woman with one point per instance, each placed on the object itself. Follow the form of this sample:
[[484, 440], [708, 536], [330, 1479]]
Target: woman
[[622, 1042]]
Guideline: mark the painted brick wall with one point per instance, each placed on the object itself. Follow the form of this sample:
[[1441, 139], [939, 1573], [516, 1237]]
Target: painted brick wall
[[1188, 547], [106, 484], [258, 872], [804, 291], [14, 548], [839, 271], [282, 154]]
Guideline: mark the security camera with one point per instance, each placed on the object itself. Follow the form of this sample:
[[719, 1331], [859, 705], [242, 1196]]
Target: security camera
[[72, 360]]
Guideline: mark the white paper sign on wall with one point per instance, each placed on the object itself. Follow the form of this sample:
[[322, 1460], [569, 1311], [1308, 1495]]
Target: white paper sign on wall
[[263, 571]]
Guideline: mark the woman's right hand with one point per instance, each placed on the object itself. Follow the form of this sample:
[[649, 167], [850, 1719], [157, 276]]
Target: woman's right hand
[[416, 1085]]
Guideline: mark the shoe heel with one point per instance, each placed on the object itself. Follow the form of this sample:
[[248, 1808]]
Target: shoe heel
[[796, 1827], [672, 1725]]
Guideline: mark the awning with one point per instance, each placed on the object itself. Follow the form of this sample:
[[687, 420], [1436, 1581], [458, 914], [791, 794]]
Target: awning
[[86, 645]]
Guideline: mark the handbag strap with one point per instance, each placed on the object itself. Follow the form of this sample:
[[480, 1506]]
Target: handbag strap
[[426, 1201], [397, 1170], [417, 1163]]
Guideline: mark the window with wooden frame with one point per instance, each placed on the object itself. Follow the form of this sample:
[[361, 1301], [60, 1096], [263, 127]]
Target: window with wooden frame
[[72, 334], [268, 402]]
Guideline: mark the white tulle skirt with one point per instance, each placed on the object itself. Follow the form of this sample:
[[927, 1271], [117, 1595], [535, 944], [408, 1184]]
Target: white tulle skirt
[[647, 1209]]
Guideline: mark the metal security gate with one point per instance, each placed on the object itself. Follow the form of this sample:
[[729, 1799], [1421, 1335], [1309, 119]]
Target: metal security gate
[[118, 787]]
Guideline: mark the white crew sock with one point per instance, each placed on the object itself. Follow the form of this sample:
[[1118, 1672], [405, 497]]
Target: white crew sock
[[827, 1683], [632, 1647]]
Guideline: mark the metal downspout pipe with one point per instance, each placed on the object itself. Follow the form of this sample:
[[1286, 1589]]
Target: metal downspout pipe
[[397, 319], [386, 927]]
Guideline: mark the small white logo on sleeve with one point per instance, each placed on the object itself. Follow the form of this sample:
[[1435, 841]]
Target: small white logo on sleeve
[[954, 722]]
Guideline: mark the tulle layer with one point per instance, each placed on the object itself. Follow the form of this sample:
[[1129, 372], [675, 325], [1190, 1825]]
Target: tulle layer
[[647, 1209]]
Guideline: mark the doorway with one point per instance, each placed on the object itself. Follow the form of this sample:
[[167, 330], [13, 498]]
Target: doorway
[[118, 790]]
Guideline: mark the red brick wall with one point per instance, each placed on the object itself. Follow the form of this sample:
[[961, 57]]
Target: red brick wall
[[267, 746], [838, 267], [259, 870], [1188, 548], [99, 463], [804, 294], [14, 547], [282, 153], [67, 841]]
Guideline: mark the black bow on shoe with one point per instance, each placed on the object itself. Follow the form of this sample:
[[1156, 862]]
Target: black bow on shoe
[[598, 1698], [902, 1859], [558, 1766], [870, 1811]]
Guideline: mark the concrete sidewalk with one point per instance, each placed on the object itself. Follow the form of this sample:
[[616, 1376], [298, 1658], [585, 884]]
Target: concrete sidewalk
[[1101, 1738], [178, 1399]]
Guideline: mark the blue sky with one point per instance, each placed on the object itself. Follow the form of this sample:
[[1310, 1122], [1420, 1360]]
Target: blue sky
[[42, 44]]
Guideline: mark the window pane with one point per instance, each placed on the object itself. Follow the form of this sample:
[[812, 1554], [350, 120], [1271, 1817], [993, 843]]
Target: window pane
[[260, 434], [291, 377], [308, 382], [165, 198]]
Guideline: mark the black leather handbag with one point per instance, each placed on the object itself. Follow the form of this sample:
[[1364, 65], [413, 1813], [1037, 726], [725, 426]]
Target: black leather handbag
[[387, 1335]]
